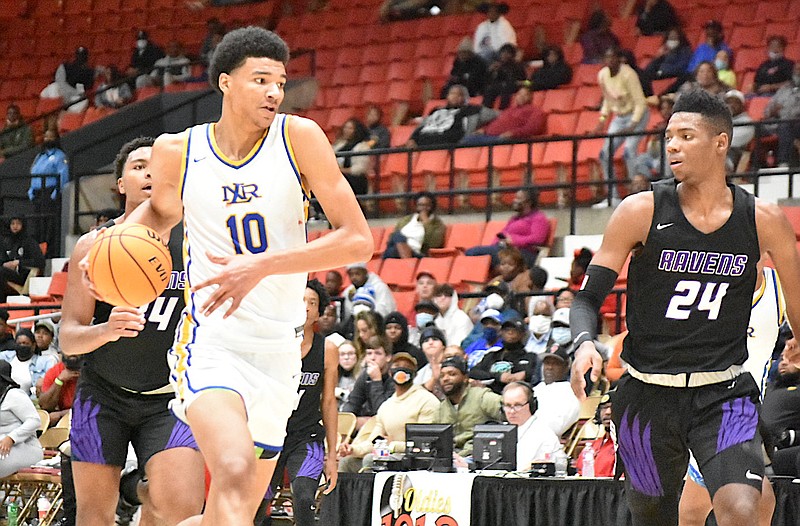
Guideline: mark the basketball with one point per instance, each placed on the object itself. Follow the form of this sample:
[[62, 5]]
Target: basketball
[[129, 265]]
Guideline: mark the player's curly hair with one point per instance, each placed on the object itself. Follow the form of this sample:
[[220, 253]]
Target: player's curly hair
[[125, 151], [713, 110], [240, 44], [324, 297]]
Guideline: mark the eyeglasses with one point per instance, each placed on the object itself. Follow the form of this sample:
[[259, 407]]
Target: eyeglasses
[[513, 408]]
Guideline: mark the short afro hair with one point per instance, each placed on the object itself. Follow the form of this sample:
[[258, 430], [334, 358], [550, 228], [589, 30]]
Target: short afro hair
[[126, 150], [240, 44], [713, 110], [322, 293]]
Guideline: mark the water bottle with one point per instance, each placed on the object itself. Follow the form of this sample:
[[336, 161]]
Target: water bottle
[[43, 505], [560, 460], [13, 513], [588, 461], [381, 449]]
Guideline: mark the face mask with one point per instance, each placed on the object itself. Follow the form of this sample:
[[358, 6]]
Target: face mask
[[423, 319], [494, 301], [141, 44], [775, 55], [24, 354], [672, 44], [402, 375], [539, 323], [720, 65], [489, 334], [358, 309], [561, 335]]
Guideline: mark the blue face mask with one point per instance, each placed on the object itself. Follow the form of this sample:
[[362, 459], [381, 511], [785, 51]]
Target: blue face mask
[[720, 65], [423, 319], [561, 335], [490, 334]]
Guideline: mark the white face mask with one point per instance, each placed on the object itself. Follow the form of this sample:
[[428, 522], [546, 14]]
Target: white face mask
[[141, 44], [672, 43], [561, 335], [775, 55], [494, 301], [539, 324]]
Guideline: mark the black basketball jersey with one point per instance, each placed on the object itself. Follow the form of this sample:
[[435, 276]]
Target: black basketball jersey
[[307, 416], [140, 364], [689, 293]]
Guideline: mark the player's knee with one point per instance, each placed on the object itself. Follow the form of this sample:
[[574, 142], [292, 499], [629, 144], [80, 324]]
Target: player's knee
[[734, 509], [234, 470]]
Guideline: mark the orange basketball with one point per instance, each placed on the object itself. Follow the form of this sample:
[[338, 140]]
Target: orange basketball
[[129, 265]]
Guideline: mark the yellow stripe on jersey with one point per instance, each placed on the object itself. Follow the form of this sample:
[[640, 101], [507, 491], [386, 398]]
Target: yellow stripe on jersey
[[293, 159], [760, 292], [187, 323], [781, 299], [184, 161], [224, 158]]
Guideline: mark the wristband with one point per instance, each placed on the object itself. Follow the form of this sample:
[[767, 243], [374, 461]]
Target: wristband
[[59, 382]]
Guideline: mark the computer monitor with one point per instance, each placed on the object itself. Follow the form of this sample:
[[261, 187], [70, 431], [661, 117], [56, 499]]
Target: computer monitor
[[429, 447], [495, 446]]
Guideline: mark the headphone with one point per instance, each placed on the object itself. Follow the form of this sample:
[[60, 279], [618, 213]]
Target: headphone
[[604, 400], [533, 403]]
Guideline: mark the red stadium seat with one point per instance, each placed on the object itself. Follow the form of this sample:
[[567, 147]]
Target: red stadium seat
[[470, 270], [399, 273], [747, 37], [439, 267], [461, 237]]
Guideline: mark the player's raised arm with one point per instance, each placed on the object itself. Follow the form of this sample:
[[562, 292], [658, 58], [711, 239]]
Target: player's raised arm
[[164, 209], [627, 228]]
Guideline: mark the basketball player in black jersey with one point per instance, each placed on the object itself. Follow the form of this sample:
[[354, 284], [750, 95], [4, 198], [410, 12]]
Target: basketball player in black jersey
[[303, 451], [124, 388], [695, 244]]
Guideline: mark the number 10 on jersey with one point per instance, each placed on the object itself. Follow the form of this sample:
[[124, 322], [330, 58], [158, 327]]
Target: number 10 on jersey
[[252, 228]]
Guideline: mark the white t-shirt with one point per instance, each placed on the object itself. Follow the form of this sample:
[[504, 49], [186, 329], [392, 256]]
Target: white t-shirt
[[535, 441]]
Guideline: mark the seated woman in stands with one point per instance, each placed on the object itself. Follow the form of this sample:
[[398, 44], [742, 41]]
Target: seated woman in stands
[[416, 233], [554, 72], [353, 137], [19, 421]]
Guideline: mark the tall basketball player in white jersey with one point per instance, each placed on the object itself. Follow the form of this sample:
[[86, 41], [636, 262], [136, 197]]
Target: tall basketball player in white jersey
[[242, 187]]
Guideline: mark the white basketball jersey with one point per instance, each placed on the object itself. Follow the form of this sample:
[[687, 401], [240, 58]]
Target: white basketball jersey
[[249, 206], [766, 316]]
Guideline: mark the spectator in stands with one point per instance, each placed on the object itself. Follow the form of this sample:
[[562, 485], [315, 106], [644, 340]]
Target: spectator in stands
[[509, 363], [535, 440], [513, 271], [494, 32], [349, 371], [604, 447], [785, 104], [581, 258], [781, 417], [554, 72], [706, 78], [353, 136], [44, 333], [671, 61], [379, 135], [454, 322], [469, 70], [597, 38], [6, 334], [649, 164], [465, 406], [410, 403], [707, 51], [623, 97], [489, 340], [776, 71], [19, 421], [498, 297], [360, 277], [558, 405], [449, 124], [416, 233], [533, 280], [742, 135], [72, 81], [724, 72], [327, 324], [523, 120], [564, 298], [173, 67], [367, 324], [539, 326], [426, 283], [104, 216], [374, 385], [527, 230], [392, 10], [433, 342], [27, 367], [50, 162], [504, 75], [58, 387], [19, 255], [16, 135], [111, 92], [655, 16], [333, 283], [425, 314], [143, 58], [216, 30], [396, 331]]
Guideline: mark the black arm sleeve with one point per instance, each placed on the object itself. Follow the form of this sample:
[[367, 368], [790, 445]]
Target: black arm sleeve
[[583, 314]]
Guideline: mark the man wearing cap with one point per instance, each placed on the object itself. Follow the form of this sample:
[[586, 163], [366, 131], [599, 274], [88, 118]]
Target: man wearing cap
[[453, 321], [491, 320], [396, 330], [540, 326], [742, 134], [707, 51], [374, 385], [72, 79], [425, 283], [360, 278], [44, 331], [425, 312], [508, 363], [143, 58], [492, 33], [605, 453], [58, 387], [410, 404], [535, 440], [464, 405], [433, 342], [469, 70], [558, 405]]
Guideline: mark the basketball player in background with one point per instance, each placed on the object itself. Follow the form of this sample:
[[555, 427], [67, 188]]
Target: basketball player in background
[[124, 392], [695, 246], [303, 452], [242, 186], [766, 316]]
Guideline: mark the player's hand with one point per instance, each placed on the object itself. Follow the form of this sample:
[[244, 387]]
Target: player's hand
[[344, 450], [237, 277], [124, 322], [5, 446], [586, 358], [373, 371], [66, 375], [331, 474]]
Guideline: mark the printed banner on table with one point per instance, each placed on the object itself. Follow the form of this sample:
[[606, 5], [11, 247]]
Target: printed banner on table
[[421, 498]]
